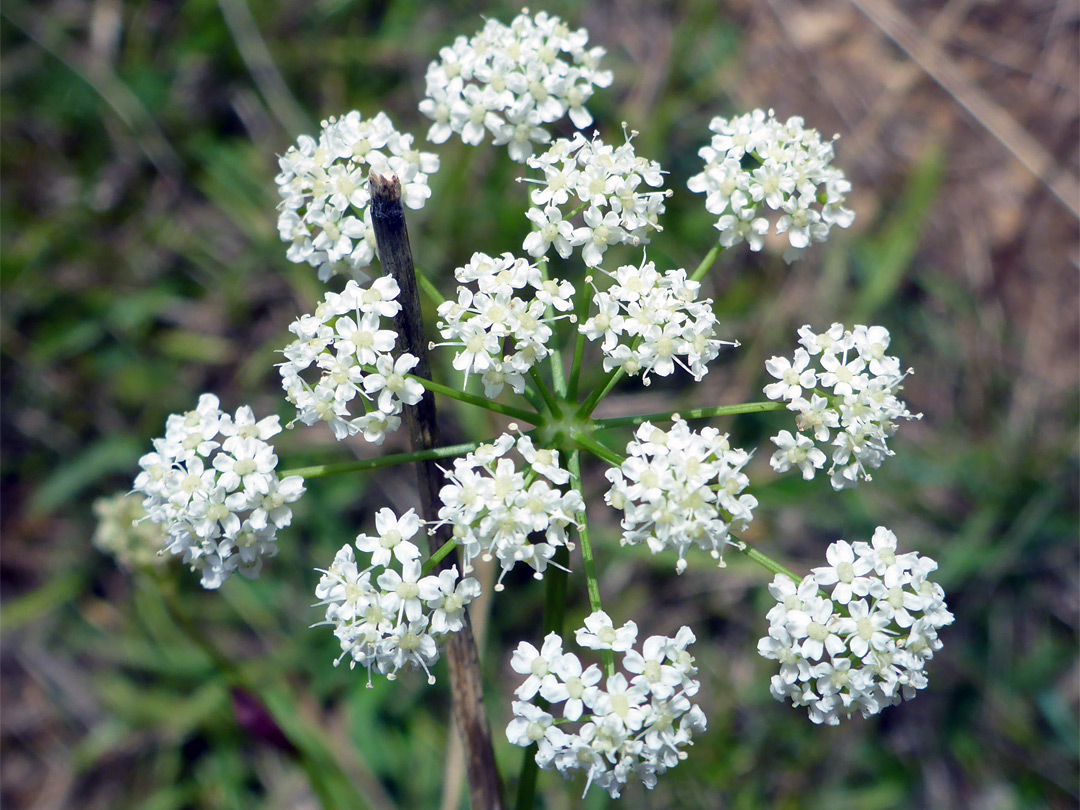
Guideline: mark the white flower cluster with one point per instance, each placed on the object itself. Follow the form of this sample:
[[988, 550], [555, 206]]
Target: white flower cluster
[[859, 382], [323, 185], [679, 489], [494, 507], [211, 483], [511, 80], [124, 533], [757, 168], [398, 620], [865, 645], [611, 185], [649, 323], [637, 724], [499, 334], [345, 341]]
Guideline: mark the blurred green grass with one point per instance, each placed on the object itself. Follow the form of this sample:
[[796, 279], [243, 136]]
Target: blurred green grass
[[140, 266]]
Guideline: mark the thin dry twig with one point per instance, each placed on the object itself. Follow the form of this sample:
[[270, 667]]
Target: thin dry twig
[[829, 84], [928, 55], [261, 66], [887, 103], [100, 76]]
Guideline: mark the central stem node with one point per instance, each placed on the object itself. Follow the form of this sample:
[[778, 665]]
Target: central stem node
[[560, 433]]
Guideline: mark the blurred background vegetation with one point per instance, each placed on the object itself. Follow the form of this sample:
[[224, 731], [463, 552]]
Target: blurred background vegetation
[[141, 266]]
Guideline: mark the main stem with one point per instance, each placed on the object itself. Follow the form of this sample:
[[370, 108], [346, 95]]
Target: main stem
[[463, 662], [592, 584]]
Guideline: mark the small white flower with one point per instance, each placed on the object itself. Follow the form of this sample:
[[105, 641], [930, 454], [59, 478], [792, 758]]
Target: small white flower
[[572, 684], [391, 383], [600, 634], [798, 452], [549, 229], [448, 597], [530, 724], [393, 538], [536, 664], [543, 461], [792, 376], [845, 573], [402, 590]]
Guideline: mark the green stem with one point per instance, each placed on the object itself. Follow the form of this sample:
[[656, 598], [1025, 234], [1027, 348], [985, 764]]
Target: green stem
[[534, 398], [429, 288], [437, 557], [325, 470], [691, 413], [592, 584], [706, 263], [764, 560], [581, 312], [558, 375], [554, 617], [575, 367], [599, 393], [576, 211], [479, 402], [555, 593], [587, 442], [549, 398], [526, 792]]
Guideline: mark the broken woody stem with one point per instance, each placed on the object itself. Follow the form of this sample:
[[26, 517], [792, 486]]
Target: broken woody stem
[[392, 239]]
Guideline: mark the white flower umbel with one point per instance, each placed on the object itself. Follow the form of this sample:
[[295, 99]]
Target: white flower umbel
[[212, 484], [864, 644], [840, 381], [616, 190], [648, 323], [386, 618], [760, 171], [342, 350], [323, 185], [680, 489], [124, 533], [511, 81], [636, 725], [499, 324], [494, 507]]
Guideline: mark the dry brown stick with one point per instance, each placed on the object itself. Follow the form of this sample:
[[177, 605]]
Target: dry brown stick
[[996, 120], [392, 239], [945, 24], [260, 64]]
